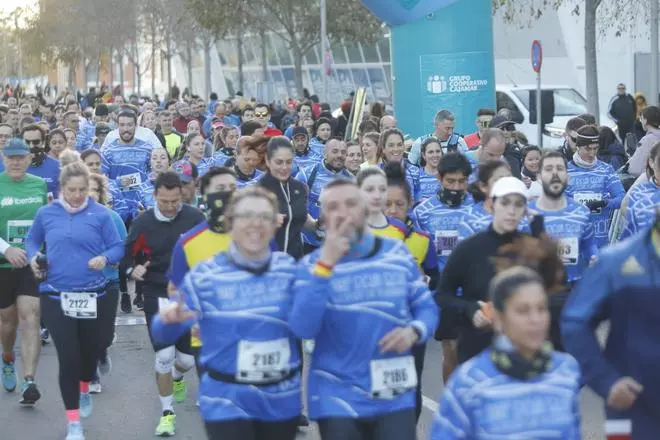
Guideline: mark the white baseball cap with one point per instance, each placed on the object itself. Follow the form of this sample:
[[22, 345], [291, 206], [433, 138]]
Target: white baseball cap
[[508, 185]]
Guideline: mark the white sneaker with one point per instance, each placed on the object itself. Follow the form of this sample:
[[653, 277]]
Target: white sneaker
[[95, 387], [74, 431]]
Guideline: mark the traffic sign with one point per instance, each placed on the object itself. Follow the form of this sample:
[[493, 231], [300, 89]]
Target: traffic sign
[[537, 56]]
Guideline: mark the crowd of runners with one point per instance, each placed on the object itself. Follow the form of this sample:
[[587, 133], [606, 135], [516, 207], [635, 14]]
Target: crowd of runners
[[258, 239]]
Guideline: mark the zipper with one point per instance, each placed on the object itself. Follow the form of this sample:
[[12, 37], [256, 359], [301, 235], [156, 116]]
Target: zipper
[[287, 196]]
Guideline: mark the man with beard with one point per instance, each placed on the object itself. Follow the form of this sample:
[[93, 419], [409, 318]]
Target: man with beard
[[42, 165], [316, 178], [125, 161], [566, 220]]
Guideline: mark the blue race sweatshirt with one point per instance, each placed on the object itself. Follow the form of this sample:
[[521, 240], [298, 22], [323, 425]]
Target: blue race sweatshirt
[[480, 402], [241, 316], [72, 240], [622, 287], [368, 294], [111, 272], [49, 170]]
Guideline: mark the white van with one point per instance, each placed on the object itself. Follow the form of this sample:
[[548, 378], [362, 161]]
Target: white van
[[560, 103]]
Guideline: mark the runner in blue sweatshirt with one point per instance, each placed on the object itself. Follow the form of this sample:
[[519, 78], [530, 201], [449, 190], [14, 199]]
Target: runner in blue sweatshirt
[[241, 300], [518, 388], [82, 240], [622, 288], [364, 302], [643, 198], [125, 161], [594, 183]]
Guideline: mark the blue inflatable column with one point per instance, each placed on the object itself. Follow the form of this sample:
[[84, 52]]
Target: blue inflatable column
[[442, 58]]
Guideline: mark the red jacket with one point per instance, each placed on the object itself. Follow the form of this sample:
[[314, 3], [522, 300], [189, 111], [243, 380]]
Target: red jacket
[[181, 124]]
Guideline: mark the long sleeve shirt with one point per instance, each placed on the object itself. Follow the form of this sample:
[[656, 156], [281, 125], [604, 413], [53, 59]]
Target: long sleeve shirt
[[72, 240]]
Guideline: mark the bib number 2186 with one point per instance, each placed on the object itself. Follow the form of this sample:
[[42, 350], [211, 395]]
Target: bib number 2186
[[392, 377]]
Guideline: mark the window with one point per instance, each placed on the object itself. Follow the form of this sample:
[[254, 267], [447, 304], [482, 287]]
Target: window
[[370, 53], [312, 56], [384, 47], [568, 102], [282, 49], [338, 54], [354, 55]]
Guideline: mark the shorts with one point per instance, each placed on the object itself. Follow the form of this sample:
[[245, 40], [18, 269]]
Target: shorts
[[15, 282], [150, 310]]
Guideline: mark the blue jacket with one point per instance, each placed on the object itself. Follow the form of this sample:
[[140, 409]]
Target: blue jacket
[[640, 214], [573, 230], [366, 296], [622, 287], [480, 402], [111, 273], [119, 160], [73, 240], [49, 170], [442, 223], [598, 183], [235, 308]]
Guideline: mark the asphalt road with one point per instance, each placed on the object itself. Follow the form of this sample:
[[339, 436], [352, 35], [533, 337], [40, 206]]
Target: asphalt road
[[128, 408]]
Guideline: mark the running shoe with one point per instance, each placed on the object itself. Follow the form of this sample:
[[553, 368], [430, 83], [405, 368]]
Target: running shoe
[[45, 335], [138, 302], [74, 431], [95, 387], [29, 393], [105, 364], [180, 390], [9, 380], [165, 426], [125, 305], [86, 405]]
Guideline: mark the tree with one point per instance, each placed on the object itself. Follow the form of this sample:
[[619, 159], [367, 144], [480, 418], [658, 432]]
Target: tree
[[600, 16], [297, 22], [219, 21]]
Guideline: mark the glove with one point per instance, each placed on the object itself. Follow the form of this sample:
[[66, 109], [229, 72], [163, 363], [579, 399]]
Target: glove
[[596, 205]]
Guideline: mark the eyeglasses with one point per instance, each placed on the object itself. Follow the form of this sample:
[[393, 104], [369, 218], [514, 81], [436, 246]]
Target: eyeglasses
[[33, 141], [259, 217], [261, 114]]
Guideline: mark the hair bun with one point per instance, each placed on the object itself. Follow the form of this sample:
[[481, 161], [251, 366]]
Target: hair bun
[[394, 171]]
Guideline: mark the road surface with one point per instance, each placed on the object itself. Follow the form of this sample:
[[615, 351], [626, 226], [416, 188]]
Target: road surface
[[128, 408]]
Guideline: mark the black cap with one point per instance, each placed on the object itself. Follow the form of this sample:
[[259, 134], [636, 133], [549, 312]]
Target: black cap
[[299, 130], [500, 121], [102, 129], [101, 110]]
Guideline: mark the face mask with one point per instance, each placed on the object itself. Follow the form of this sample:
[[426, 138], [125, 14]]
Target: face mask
[[216, 203], [39, 155], [451, 198]]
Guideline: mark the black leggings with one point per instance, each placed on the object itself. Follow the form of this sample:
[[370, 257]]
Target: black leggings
[[419, 353], [79, 343], [394, 426], [252, 430]]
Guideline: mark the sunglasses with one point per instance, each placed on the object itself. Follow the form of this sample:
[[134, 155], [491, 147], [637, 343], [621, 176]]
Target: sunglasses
[[33, 142], [261, 115]]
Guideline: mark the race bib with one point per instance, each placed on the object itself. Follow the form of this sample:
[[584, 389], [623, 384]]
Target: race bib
[[130, 181], [17, 230], [586, 197], [569, 250], [392, 377], [263, 361], [445, 242], [79, 305]]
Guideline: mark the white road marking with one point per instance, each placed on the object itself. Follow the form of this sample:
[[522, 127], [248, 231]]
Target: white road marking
[[130, 320], [430, 404]]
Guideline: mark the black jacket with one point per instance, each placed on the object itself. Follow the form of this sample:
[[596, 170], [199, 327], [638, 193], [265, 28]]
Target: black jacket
[[469, 268], [623, 109], [155, 240], [293, 204]]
